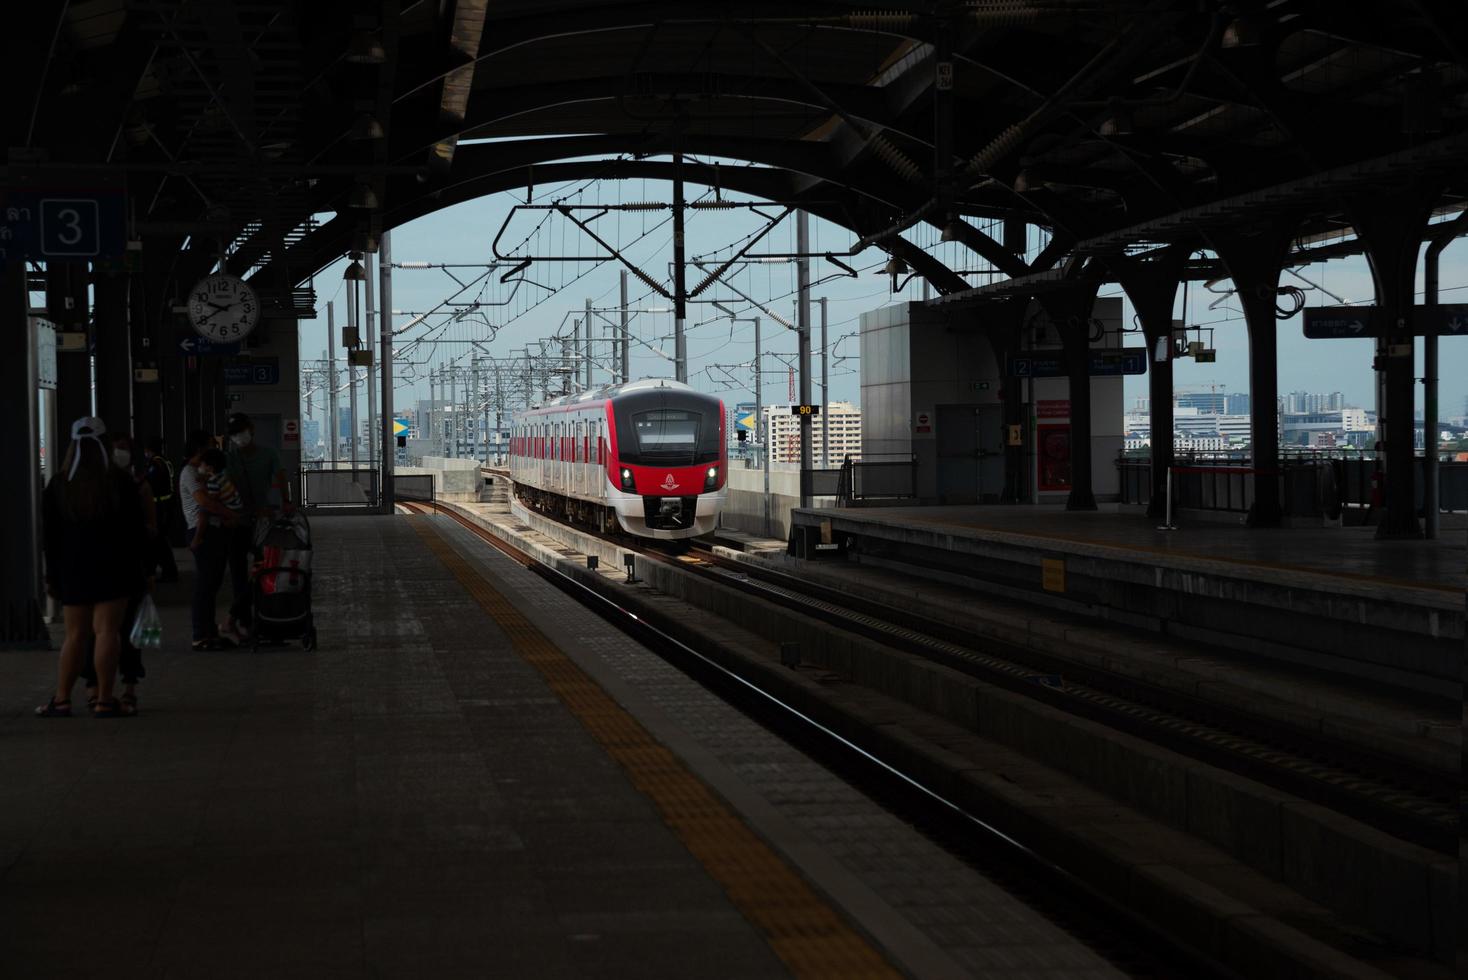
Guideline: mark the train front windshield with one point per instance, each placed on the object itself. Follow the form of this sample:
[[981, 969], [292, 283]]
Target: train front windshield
[[651, 432]]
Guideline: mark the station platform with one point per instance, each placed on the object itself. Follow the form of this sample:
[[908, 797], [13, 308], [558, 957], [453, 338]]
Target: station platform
[[1381, 611], [472, 776]]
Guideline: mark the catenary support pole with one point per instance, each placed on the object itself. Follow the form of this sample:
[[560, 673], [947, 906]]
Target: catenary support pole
[[587, 360], [389, 449], [825, 395], [680, 293], [626, 339], [763, 428], [802, 320], [333, 432]]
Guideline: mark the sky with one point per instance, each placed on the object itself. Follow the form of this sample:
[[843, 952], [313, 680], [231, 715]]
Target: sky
[[721, 351]]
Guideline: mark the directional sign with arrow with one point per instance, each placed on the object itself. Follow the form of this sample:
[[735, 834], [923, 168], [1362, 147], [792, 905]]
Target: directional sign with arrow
[[1337, 322], [203, 345]]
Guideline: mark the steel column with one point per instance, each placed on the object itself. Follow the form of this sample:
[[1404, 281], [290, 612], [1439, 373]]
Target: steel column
[[352, 376], [20, 491], [1430, 502], [1153, 291], [112, 349], [369, 322], [68, 308], [825, 395], [802, 321], [1392, 227], [587, 360], [626, 338], [1254, 262], [333, 432], [389, 453], [680, 291], [1070, 311]]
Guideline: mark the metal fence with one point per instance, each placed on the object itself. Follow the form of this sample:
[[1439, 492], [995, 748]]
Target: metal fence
[[1309, 485], [345, 489], [820, 483], [892, 477], [417, 487]]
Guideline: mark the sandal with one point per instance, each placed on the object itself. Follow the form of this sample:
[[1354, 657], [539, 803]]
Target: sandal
[[128, 705], [109, 708], [54, 709], [215, 643]]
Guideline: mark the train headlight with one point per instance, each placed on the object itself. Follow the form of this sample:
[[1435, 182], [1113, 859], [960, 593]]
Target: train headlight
[[626, 479], [711, 478]]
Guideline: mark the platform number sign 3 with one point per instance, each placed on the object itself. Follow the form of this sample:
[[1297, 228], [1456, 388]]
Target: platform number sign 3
[[223, 308]]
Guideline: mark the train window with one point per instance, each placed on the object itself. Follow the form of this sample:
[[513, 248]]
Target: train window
[[666, 431]]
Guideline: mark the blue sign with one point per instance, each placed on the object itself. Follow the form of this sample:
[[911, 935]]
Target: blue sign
[[744, 417], [264, 371], [1337, 322], [62, 224], [1104, 363], [205, 346]]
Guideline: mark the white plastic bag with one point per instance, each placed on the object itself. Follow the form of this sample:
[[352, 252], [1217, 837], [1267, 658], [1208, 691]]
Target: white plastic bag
[[147, 631]]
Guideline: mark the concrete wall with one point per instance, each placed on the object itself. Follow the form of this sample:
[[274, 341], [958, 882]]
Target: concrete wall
[[915, 360], [451, 483], [744, 508]]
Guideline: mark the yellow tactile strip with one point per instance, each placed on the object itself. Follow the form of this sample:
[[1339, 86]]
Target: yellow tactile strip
[[808, 935]]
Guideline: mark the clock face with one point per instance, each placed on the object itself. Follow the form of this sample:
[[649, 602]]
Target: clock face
[[223, 308]]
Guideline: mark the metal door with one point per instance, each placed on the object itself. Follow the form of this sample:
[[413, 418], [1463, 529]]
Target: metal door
[[958, 455], [970, 453]]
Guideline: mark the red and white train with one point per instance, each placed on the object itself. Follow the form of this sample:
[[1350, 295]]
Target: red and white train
[[648, 456]]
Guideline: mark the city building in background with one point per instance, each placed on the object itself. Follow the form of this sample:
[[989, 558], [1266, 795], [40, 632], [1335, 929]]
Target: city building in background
[[782, 428]]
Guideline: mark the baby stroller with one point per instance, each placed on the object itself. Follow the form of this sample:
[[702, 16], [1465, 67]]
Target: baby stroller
[[281, 581]]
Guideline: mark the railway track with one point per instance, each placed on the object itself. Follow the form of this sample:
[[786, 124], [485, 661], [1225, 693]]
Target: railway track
[[1415, 804], [1128, 940]]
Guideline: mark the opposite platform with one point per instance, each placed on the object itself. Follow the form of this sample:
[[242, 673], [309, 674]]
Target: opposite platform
[[1382, 611]]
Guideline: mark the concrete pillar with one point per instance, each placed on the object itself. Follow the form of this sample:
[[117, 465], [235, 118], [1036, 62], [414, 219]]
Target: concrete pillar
[[1152, 288], [20, 491], [1392, 226], [112, 348], [1253, 262], [1069, 309]]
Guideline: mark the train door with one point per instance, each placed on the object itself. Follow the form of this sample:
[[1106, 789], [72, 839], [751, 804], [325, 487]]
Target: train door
[[580, 458]]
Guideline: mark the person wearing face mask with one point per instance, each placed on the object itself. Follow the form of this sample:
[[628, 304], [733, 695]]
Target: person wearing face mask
[[258, 475], [94, 540]]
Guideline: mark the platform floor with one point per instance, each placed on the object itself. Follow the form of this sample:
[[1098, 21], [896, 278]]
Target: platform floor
[[434, 792], [1350, 553]]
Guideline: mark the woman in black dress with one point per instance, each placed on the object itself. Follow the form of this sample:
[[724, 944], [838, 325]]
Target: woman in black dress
[[95, 540]]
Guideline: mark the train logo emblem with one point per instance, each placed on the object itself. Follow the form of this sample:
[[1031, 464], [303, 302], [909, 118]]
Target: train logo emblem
[[669, 483]]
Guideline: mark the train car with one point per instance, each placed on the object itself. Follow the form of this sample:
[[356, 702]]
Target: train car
[[647, 456]]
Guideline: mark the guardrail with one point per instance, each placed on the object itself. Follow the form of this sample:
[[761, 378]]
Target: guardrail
[[884, 477], [416, 487], [1309, 486], [340, 489]]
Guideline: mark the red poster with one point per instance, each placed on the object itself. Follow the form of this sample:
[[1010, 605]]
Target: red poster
[[1057, 408], [1053, 443]]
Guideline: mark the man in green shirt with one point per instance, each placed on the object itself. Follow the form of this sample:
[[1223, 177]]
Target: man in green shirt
[[257, 473]]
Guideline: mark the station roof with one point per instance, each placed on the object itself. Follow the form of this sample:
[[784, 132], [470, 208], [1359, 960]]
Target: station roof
[[1116, 125]]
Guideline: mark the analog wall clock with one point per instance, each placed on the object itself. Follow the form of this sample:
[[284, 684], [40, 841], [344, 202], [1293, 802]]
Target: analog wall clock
[[223, 308]]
